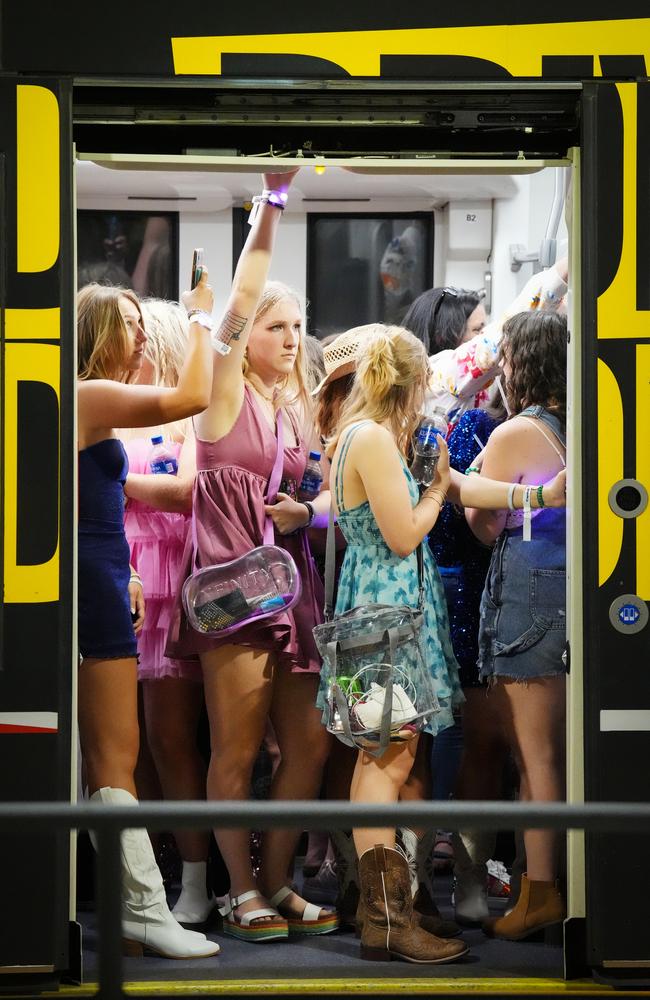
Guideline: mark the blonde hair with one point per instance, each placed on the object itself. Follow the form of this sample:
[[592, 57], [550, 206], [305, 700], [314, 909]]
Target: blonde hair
[[102, 340], [167, 329], [293, 390], [389, 386]]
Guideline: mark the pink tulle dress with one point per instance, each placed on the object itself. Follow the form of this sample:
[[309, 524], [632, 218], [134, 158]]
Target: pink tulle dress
[[157, 541], [229, 498]]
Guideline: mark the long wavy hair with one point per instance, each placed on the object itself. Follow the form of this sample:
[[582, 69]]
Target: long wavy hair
[[167, 329], [438, 317], [389, 385], [534, 346], [293, 389], [102, 340]]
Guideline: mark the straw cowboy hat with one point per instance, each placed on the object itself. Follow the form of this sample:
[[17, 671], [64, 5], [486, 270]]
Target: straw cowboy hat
[[340, 357]]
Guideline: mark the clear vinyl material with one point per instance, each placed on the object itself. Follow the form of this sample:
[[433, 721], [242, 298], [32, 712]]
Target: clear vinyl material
[[378, 688], [220, 599]]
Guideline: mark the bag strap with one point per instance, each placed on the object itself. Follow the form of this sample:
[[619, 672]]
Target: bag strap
[[275, 478]]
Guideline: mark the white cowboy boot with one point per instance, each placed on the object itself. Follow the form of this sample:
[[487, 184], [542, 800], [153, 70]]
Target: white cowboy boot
[[419, 855], [146, 919], [196, 901], [472, 850]]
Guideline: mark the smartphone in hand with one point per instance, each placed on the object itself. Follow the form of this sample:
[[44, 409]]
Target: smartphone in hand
[[197, 267]]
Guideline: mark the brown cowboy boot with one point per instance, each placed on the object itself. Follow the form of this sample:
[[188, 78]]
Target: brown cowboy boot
[[347, 899], [389, 930], [539, 905], [419, 854]]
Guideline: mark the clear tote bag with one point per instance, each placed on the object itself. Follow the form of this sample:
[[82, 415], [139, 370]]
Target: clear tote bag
[[378, 687], [262, 583]]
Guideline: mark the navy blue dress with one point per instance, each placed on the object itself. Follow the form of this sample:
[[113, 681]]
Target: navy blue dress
[[105, 626]]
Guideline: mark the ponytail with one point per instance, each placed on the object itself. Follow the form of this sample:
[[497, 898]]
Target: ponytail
[[376, 371]]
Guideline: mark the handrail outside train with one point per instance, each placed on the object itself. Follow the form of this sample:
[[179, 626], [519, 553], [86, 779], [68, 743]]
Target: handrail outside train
[[108, 821]]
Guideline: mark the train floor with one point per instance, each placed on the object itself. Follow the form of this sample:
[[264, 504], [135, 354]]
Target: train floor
[[336, 956]]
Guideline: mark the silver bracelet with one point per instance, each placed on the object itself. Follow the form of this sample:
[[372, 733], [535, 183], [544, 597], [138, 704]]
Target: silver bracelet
[[511, 496], [201, 317]]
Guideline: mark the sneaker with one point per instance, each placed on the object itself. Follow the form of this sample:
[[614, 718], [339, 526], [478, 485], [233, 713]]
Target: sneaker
[[498, 881], [322, 887]]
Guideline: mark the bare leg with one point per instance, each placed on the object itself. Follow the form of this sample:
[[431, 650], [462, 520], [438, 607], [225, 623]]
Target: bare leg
[[304, 746], [238, 685], [538, 719], [172, 707], [485, 745], [340, 768], [108, 722], [381, 780]]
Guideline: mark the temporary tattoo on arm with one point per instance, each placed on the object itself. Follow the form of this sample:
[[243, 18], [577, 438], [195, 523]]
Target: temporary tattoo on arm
[[231, 328]]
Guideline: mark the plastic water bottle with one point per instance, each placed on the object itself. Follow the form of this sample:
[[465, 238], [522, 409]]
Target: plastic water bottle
[[161, 460], [426, 450], [313, 478]]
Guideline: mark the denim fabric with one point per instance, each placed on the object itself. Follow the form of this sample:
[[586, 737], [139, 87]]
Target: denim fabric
[[522, 632]]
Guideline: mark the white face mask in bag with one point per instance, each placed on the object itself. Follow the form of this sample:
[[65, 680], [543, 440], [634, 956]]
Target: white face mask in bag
[[369, 711]]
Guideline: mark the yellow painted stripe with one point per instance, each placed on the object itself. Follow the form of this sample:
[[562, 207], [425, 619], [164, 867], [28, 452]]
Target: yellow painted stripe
[[37, 184], [516, 47], [32, 324], [39, 583], [617, 313], [643, 469], [425, 986], [610, 469]]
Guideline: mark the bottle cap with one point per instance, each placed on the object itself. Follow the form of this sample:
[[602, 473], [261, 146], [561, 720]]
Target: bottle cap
[[315, 455], [157, 440]]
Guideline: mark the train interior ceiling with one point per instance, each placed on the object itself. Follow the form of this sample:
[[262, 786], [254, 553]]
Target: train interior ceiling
[[475, 219]]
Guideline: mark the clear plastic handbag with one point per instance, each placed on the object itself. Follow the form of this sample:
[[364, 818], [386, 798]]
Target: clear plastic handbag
[[378, 687], [220, 599], [259, 584]]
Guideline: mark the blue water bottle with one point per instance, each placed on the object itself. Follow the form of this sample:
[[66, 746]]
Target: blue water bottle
[[313, 478], [161, 460]]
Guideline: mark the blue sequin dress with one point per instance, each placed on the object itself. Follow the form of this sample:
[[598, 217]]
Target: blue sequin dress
[[462, 560], [373, 574]]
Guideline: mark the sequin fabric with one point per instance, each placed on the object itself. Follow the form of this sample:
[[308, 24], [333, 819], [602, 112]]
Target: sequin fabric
[[462, 560]]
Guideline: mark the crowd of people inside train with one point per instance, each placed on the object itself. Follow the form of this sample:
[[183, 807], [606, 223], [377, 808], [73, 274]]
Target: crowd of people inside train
[[240, 399]]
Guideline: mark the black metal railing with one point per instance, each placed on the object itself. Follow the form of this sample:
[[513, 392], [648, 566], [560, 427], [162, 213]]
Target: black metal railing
[[108, 821]]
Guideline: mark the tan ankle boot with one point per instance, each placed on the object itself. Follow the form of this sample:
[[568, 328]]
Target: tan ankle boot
[[539, 905], [389, 930]]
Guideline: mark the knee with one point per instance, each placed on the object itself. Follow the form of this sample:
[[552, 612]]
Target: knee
[[169, 746]]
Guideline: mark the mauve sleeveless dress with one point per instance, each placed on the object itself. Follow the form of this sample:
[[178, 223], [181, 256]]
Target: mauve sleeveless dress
[[228, 503]]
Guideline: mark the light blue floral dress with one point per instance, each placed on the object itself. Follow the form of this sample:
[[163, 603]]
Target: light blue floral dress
[[373, 574]]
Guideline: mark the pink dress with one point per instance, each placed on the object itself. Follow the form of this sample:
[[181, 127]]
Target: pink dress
[[157, 542], [229, 497]]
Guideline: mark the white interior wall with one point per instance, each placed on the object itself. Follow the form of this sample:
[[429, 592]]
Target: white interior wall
[[520, 219]]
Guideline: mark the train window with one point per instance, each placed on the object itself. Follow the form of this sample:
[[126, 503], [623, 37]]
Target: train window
[[138, 250], [365, 268]]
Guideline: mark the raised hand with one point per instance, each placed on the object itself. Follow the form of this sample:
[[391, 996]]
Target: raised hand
[[201, 297]]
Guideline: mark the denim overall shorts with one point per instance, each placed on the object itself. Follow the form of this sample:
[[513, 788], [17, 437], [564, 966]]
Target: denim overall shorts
[[522, 631]]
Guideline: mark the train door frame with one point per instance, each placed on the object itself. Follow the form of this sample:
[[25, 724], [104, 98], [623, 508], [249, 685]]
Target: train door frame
[[590, 226]]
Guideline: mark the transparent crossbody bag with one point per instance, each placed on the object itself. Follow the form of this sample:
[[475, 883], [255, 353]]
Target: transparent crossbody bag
[[378, 687], [262, 583]]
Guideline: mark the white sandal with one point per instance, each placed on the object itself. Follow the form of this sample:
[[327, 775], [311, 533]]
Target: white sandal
[[314, 920], [241, 927]]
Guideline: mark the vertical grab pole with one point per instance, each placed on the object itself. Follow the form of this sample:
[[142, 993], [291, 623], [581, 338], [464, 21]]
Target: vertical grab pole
[[109, 929]]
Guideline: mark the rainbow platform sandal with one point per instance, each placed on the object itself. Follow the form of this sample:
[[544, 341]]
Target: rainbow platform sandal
[[243, 927], [314, 919]]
